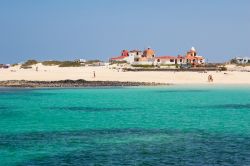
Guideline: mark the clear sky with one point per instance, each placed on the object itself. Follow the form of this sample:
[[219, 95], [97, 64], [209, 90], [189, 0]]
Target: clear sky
[[91, 29]]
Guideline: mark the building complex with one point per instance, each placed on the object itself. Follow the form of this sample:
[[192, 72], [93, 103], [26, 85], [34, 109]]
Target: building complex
[[148, 57]]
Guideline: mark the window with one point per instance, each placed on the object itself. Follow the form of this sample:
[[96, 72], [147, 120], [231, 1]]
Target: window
[[171, 60], [180, 60], [158, 60]]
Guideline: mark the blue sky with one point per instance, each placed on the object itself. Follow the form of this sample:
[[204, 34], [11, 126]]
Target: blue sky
[[99, 29]]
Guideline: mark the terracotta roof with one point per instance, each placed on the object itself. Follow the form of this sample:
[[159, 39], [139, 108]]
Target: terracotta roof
[[124, 53], [135, 51], [119, 57], [194, 57], [180, 57], [149, 52]]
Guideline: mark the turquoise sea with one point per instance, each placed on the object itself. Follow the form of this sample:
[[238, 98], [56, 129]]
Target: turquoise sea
[[174, 125]]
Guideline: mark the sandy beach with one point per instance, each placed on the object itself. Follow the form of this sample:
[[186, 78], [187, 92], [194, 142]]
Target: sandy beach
[[105, 73]]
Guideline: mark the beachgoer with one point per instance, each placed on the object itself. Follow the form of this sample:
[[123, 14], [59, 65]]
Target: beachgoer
[[210, 78], [37, 68], [94, 74]]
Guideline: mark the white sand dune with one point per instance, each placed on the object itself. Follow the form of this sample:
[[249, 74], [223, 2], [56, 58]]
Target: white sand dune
[[103, 73]]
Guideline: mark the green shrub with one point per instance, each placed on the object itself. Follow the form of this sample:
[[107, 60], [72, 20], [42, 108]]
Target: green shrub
[[51, 63], [168, 64], [28, 64], [223, 68], [243, 65], [92, 61], [26, 67], [210, 65], [70, 64], [118, 62], [233, 61], [143, 66], [15, 64]]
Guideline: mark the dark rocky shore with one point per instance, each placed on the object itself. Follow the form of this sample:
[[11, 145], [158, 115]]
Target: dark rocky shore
[[72, 83]]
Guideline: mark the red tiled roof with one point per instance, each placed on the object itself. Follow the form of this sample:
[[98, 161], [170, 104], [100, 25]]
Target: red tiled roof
[[180, 57], [135, 51], [119, 57], [124, 53], [194, 57]]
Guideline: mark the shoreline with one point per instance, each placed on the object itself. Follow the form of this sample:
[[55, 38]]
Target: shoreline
[[73, 83], [111, 76]]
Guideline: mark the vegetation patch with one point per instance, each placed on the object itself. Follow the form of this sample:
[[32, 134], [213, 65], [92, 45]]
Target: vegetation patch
[[92, 61], [143, 66], [70, 64], [28, 64], [51, 63], [118, 62], [168, 65], [15, 64], [223, 68], [26, 67], [243, 65]]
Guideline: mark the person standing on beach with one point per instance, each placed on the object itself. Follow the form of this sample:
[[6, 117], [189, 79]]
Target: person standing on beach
[[210, 78], [94, 74]]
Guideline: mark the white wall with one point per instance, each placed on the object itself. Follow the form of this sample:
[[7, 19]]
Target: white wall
[[131, 58], [164, 62], [143, 63]]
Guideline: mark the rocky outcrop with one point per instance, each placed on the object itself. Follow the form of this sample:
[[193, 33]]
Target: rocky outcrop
[[72, 83]]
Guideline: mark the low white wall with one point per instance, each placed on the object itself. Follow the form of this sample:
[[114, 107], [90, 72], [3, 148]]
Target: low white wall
[[143, 63]]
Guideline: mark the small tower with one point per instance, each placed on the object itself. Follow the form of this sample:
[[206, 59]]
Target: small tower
[[192, 52], [193, 49], [125, 53], [149, 53]]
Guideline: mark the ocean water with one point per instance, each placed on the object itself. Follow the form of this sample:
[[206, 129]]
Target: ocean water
[[175, 125]]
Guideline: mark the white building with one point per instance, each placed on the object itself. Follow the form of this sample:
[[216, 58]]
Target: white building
[[170, 60], [134, 56], [80, 60], [240, 60]]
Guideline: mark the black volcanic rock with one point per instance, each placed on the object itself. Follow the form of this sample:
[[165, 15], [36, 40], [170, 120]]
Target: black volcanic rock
[[72, 83]]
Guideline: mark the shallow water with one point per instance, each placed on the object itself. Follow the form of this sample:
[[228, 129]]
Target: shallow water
[[175, 125]]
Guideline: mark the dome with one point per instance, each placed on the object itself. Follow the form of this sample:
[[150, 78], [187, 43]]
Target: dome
[[149, 52], [193, 49]]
